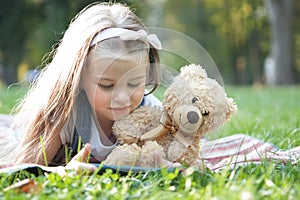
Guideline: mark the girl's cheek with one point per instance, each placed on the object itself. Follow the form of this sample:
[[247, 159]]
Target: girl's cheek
[[139, 94]]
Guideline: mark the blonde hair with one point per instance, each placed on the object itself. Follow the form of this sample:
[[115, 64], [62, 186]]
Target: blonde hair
[[48, 108]]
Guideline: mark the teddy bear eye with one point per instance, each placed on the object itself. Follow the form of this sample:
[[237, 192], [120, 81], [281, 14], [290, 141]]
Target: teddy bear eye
[[205, 113], [195, 99]]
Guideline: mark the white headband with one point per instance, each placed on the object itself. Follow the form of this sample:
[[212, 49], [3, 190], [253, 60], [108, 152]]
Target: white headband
[[125, 35]]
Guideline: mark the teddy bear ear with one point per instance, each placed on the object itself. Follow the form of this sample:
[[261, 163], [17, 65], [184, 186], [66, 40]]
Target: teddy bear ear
[[193, 72], [232, 108]]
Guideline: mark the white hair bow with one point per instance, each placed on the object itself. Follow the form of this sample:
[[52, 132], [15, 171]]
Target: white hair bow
[[126, 34]]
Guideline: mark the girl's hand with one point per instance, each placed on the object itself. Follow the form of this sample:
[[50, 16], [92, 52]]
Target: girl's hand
[[79, 161]]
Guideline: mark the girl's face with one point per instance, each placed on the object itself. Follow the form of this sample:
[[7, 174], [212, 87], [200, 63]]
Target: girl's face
[[114, 87]]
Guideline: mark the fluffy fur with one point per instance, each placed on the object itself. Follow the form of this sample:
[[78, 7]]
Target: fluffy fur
[[193, 105]]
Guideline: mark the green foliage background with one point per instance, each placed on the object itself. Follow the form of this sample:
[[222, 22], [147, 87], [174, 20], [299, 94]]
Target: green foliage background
[[235, 33]]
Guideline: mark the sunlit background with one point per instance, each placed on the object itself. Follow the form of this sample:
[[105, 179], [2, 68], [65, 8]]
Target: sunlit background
[[252, 42]]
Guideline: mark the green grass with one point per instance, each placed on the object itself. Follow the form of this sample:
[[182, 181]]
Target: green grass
[[270, 114], [9, 97]]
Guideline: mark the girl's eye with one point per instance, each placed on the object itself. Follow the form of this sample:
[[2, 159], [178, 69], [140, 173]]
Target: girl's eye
[[134, 85], [106, 87]]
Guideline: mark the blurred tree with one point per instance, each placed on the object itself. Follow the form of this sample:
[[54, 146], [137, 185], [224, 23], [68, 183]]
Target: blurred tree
[[57, 15], [17, 20], [242, 26], [281, 17], [190, 18], [234, 33], [29, 29]]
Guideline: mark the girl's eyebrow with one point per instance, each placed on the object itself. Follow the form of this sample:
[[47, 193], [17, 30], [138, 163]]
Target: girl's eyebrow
[[109, 79], [103, 78], [98, 78]]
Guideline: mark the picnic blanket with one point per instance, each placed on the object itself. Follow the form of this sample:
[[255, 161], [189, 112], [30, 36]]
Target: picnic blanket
[[241, 150]]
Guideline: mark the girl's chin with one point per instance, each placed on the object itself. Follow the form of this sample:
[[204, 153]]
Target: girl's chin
[[118, 114], [117, 117]]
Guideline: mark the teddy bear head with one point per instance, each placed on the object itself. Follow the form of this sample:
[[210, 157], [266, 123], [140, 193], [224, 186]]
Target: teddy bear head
[[197, 103]]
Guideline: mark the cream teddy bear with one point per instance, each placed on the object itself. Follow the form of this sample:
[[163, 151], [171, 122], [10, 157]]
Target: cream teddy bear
[[193, 105]]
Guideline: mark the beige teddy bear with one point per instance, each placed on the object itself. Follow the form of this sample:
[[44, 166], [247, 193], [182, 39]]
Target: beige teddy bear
[[193, 105]]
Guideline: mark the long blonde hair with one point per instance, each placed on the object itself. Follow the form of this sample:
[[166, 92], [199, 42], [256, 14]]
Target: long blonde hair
[[49, 105]]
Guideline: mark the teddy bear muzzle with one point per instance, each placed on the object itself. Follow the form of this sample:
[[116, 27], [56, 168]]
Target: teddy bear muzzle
[[188, 118]]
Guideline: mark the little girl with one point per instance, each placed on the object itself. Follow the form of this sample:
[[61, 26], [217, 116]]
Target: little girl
[[98, 74]]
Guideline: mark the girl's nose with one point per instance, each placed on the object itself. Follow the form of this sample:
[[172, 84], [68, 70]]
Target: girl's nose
[[121, 95]]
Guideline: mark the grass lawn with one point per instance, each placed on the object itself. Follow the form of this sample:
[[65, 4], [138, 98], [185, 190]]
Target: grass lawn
[[9, 97], [270, 114]]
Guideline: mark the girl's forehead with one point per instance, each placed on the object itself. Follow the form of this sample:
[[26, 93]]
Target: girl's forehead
[[106, 67]]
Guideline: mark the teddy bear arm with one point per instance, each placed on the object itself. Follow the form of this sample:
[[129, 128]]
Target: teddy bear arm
[[175, 151], [152, 155], [154, 133], [126, 132], [124, 155]]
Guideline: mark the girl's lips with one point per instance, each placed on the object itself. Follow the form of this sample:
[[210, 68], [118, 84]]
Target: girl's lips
[[121, 110]]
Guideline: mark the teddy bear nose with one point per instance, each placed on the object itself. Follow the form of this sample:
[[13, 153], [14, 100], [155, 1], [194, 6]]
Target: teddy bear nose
[[192, 117]]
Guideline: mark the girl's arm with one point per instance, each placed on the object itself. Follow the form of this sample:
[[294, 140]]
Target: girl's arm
[[52, 150]]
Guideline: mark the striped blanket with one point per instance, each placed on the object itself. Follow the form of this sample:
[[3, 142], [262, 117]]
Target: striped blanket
[[240, 150]]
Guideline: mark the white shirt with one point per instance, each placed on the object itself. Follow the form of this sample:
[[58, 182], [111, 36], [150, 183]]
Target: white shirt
[[99, 150]]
